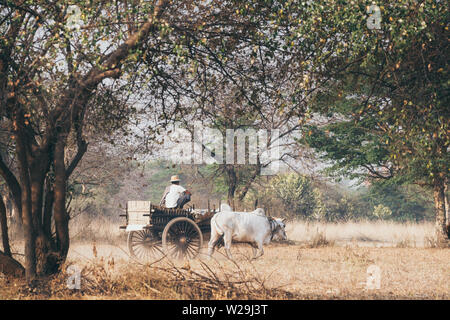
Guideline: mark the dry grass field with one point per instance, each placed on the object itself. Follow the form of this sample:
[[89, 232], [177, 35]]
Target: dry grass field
[[319, 261]]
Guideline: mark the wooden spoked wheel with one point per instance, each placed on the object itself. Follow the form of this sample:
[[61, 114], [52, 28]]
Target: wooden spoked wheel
[[144, 245], [182, 238]]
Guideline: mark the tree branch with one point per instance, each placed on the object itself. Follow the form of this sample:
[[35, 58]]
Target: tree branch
[[82, 148]]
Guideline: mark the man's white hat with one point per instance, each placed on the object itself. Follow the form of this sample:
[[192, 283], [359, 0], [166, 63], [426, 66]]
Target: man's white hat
[[174, 178]]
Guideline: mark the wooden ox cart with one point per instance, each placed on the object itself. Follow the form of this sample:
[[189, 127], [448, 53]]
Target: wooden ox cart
[[155, 231]]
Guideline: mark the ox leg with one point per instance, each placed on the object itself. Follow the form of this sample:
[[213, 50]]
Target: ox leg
[[227, 240], [261, 251], [254, 249], [212, 243]]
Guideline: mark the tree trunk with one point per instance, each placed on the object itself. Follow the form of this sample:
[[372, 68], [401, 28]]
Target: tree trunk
[[59, 212], [4, 229], [37, 175], [47, 259], [244, 190], [439, 205], [48, 209], [14, 188], [46, 263], [27, 218], [232, 184]]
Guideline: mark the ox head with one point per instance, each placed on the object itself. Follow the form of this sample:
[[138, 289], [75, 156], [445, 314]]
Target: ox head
[[279, 233]]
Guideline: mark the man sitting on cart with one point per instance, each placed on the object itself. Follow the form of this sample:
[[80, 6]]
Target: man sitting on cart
[[175, 196]]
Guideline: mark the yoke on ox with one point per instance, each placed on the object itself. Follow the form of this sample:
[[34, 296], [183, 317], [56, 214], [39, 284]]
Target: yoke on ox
[[155, 231], [254, 228]]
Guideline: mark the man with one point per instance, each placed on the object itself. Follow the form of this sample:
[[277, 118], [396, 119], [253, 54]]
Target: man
[[175, 196]]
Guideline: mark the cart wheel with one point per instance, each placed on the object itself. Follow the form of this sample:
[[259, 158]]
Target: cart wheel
[[144, 245], [182, 238]]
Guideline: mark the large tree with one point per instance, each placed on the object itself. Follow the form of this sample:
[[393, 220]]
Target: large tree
[[386, 115], [63, 66]]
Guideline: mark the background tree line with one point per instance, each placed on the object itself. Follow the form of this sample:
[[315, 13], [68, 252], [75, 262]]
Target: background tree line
[[291, 195]]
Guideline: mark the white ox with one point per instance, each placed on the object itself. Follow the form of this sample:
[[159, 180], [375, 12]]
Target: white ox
[[254, 228]]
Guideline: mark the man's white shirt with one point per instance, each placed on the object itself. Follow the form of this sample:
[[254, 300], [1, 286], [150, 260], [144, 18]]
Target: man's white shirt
[[174, 194]]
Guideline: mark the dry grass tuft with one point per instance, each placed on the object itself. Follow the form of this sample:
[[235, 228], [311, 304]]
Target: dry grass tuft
[[319, 239], [146, 282]]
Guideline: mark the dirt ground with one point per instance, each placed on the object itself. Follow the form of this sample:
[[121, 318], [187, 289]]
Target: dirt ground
[[350, 271], [347, 261]]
